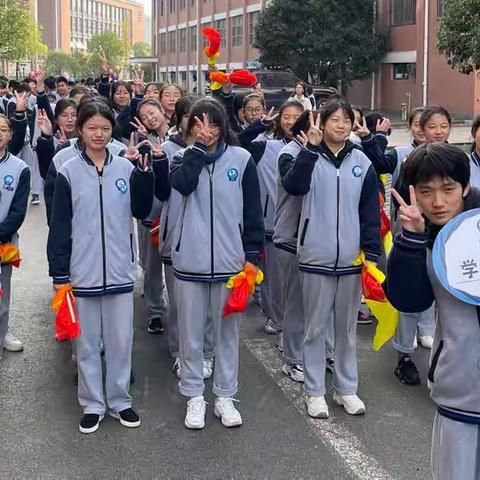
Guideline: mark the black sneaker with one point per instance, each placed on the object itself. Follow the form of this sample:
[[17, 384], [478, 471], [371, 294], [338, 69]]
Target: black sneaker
[[364, 319], [330, 365], [90, 422], [155, 326], [128, 418], [407, 372], [35, 200]]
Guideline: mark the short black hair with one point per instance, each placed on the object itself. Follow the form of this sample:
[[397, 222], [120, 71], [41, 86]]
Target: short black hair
[[61, 80], [475, 125], [253, 96], [303, 123], [216, 114], [50, 83], [372, 118], [3, 82], [331, 107], [29, 80], [79, 90], [184, 106], [413, 114], [429, 112], [22, 87], [437, 160]]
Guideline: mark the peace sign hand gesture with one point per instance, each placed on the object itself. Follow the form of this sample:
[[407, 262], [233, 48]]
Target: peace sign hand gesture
[[138, 83], [204, 134], [104, 65], [21, 100], [270, 116], [143, 164], [361, 129], [44, 122], [410, 215], [139, 127], [314, 135]]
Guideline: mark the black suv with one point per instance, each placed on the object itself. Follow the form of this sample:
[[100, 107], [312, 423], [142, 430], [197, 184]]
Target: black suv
[[280, 85]]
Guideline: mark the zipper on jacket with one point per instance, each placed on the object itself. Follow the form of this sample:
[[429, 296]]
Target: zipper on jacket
[[265, 210], [338, 219], [131, 248], [433, 366], [102, 226], [212, 256]]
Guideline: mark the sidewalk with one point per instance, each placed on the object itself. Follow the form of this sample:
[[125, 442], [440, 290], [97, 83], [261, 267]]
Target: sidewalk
[[401, 136]]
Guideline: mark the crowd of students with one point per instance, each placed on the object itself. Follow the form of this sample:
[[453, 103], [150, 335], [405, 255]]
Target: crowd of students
[[219, 181]]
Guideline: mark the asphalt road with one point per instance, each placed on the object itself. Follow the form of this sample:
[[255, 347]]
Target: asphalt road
[[39, 437]]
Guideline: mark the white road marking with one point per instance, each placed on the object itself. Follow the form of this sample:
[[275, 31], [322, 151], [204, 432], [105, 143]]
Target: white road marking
[[332, 434]]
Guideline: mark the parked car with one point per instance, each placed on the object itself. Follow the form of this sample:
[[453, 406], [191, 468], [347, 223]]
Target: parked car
[[280, 85]]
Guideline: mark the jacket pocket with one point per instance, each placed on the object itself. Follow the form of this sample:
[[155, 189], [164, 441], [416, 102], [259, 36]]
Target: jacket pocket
[[265, 210], [165, 229], [177, 248], [240, 229], [433, 366], [131, 248], [298, 226], [304, 231]]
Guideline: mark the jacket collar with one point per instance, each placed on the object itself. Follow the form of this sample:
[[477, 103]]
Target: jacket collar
[[178, 139], [213, 157], [5, 157], [89, 161], [475, 157], [341, 155]]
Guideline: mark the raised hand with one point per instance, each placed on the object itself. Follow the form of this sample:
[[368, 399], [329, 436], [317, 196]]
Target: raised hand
[[302, 138], [61, 136], [270, 116], [21, 101], [104, 65], [156, 146], [139, 127], [315, 133], [40, 78], [258, 90], [143, 164], [138, 83], [44, 122], [384, 125], [204, 134], [410, 216], [361, 129], [132, 152]]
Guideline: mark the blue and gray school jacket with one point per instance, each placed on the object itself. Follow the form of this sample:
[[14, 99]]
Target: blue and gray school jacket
[[62, 156], [91, 242], [475, 169], [288, 208], [172, 198], [340, 210], [14, 191], [220, 225], [412, 286]]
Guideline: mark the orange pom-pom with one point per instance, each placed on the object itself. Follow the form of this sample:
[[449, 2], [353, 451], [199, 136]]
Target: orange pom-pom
[[243, 78], [219, 77]]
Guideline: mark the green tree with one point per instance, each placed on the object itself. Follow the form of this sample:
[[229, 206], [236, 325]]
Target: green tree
[[20, 36], [337, 42], [109, 44], [141, 49], [76, 64], [459, 34]]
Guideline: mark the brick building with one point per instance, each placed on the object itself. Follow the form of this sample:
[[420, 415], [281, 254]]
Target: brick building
[[179, 44], [413, 72], [69, 24]]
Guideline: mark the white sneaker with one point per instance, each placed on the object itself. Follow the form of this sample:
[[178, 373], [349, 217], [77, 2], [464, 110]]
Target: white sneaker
[[177, 368], [207, 367], [269, 330], [351, 403], [226, 411], [295, 372], [317, 407], [426, 341], [195, 418], [12, 344], [415, 343]]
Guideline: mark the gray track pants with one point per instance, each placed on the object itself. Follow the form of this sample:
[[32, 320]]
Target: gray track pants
[[323, 297], [197, 298], [107, 318], [271, 287], [173, 335], [455, 450], [407, 328], [5, 284], [153, 285]]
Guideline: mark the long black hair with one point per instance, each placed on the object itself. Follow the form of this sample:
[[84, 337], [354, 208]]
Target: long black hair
[[184, 106], [115, 87], [216, 114], [278, 132]]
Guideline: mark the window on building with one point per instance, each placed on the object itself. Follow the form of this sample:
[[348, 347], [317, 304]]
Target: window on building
[[192, 3], [237, 31], [252, 23], [403, 71], [441, 4], [163, 44], [193, 38], [403, 12], [183, 4], [162, 8], [173, 6], [182, 40], [221, 26], [173, 41]]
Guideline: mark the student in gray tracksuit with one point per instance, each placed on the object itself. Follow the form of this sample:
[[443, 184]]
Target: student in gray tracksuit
[[220, 228], [14, 190], [409, 323], [340, 217], [288, 210], [440, 176], [265, 154], [171, 209], [91, 246]]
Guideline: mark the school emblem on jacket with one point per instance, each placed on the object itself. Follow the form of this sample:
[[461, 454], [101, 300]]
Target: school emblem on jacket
[[232, 174], [8, 182], [357, 171], [121, 184]]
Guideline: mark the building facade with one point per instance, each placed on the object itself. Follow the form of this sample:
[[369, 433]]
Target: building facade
[[179, 42], [69, 24], [414, 73]]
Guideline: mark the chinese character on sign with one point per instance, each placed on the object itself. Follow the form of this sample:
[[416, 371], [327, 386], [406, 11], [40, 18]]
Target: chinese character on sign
[[469, 268]]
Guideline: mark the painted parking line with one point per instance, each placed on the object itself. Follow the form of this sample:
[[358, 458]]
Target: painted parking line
[[336, 437]]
